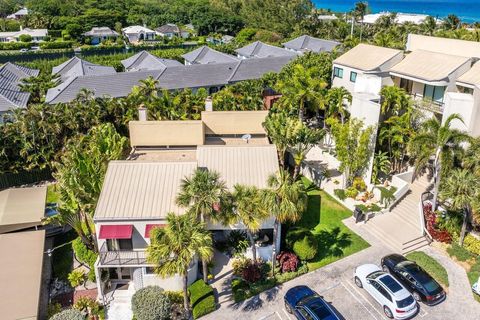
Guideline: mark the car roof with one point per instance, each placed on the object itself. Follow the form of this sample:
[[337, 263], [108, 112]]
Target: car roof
[[295, 294], [319, 308]]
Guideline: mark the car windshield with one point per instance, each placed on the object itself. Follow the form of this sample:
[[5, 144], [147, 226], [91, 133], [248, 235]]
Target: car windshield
[[422, 278], [405, 302], [319, 309], [391, 284], [375, 275]]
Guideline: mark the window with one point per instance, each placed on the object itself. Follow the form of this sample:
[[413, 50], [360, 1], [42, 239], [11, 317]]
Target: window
[[384, 293], [433, 93], [406, 85], [337, 72], [353, 76], [304, 313], [119, 244], [149, 270]]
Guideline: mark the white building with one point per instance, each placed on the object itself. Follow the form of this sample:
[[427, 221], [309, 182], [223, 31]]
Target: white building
[[19, 14], [137, 34], [401, 18], [37, 35]]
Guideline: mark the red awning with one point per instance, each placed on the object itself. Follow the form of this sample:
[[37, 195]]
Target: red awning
[[149, 227], [123, 231]]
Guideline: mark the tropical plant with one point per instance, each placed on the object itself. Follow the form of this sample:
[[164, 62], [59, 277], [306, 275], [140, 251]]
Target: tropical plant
[[38, 86], [337, 98], [249, 209], [151, 303], [394, 100], [461, 189], [304, 140], [471, 159], [451, 22], [286, 199], [381, 164], [89, 306], [202, 193], [77, 278], [441, 142], [173, 248], [288, 262]]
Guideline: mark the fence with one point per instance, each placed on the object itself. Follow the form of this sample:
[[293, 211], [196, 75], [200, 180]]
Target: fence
[[8, 180]]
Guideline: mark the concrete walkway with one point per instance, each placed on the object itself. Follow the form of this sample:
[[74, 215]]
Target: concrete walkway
[[223, 273]]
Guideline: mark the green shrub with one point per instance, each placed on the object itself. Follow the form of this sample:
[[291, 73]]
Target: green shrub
[[340, 194], [174, 296], [203, 307], [25, 38], [53, 308], [69, 314], [287, 276], [239, 284], [56, 45], [237, 241], [458, 252], [351, 193], [86, 256], [150, 303], [240, 263], [76, 277], [472, 244], [14, 45], [306, 247], [359, 184]]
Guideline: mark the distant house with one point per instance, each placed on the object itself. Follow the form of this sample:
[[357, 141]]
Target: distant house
[[37, 35], [223, 40], [206, 55], [11, 76], [136, 34], [76, 67], [306, 43], [98, 35], [147, 61], [171, 30], [259, 49], [400, 18], [19, 14], [326, 17]]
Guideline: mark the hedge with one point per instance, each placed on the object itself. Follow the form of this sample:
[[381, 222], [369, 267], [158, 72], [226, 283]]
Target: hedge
[[202, 299], [57, 45], [68, 314], [150, 303], [15, 45]]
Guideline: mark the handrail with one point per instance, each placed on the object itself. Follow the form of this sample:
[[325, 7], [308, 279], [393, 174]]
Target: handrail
[[121, 257]]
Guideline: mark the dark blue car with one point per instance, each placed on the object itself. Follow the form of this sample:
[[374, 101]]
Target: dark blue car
[[306, 304]]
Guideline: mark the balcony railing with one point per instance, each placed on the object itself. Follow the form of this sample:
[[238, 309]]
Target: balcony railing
[[427, 104], [121, 257]]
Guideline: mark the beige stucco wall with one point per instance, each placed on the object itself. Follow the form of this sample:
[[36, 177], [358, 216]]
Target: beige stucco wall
[[166, 133], [234, 122]]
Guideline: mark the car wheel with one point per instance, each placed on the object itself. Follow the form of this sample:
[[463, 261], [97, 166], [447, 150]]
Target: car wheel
[[288, 308], [416, 296], [385, 269], [358, 282], [388, 312]]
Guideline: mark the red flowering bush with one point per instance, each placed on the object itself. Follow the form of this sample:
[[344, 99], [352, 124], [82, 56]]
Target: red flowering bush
[[288, 261], [252, 273], [431, 224]]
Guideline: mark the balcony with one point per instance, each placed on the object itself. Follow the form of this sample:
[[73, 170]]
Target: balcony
[[122, 257], [427, 104]]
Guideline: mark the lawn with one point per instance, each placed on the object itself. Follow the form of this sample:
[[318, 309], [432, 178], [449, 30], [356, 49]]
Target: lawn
[[435, 269], [324, 217]]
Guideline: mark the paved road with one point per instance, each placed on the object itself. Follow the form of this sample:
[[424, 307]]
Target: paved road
[[334, 282]]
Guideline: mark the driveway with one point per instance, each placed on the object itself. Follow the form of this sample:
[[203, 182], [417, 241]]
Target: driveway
[[334, 282]]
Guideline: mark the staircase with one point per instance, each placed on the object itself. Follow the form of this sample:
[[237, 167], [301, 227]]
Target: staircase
[[401, 228]]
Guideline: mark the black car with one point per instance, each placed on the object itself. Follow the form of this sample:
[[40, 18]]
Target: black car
[[422, 286]]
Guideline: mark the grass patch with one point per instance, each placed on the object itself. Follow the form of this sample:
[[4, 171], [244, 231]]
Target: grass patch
[[429, 264], [53, 194], [460, 253], [323, 218]]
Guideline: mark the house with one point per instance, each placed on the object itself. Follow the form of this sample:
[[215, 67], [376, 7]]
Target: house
[[138, 193], [37, 35], [136, 34], [144, 60], [211, 76], [259, 49], [76, 67], [206, 55], [326, 17], [21, 274], [171, 30], [306, 43], [400, 18], [99, 34], [11, 96], [19, 14], [222, 40]]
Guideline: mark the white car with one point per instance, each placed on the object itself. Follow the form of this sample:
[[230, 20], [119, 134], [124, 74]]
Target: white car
[[396, 301]]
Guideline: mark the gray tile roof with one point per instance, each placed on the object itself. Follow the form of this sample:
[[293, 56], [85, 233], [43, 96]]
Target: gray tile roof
[[11, 75], [255, 68], [75, 67], [205, 55], [101, 32], [147, 61], [259, 49], [112, 85], [168, 28], [307, 43]]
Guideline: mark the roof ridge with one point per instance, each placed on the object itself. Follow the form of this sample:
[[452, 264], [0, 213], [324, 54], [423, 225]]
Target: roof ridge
[[235, 70], [304, 42], [67, 84]]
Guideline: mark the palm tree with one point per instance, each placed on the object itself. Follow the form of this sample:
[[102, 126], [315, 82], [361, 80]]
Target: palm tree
[[336, 98], [287, 200], [461, 189], [393, 100], [471, 160], [302, 143], [201, 193], [429, 25], [440, 142], [173, 248], [381, 163], [249, 209], [303, 89], [451, 22]]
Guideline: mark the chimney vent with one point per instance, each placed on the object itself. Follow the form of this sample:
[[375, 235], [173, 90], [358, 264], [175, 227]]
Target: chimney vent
[[142, 113], [209, 104]]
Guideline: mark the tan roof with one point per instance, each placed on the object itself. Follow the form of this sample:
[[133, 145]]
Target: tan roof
[[166, 133], [234, 122], [21, 274], [248, 165], [471, 77], [141, 190], [366, 57], [455, 47], [21, 208], [429, 66]]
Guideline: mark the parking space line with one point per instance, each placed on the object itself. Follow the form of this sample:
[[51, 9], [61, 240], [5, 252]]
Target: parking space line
[[356, 298], [286, 313]]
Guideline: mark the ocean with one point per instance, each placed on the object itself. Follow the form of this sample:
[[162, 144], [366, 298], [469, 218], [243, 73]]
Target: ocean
[[466, 10]]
